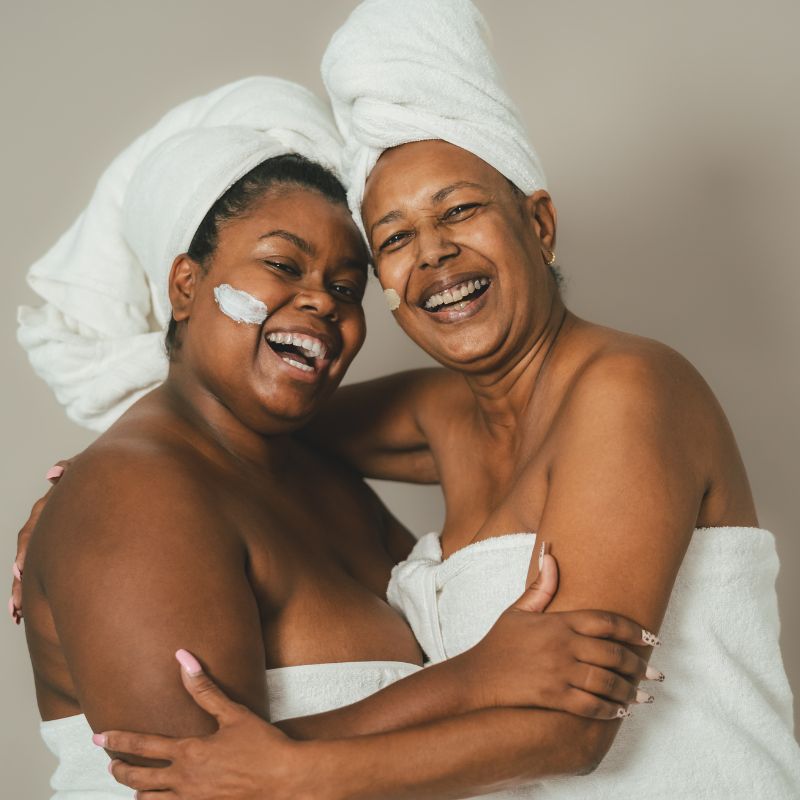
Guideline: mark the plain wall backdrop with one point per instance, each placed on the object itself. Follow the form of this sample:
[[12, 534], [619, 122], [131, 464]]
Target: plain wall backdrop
[[669, 132]]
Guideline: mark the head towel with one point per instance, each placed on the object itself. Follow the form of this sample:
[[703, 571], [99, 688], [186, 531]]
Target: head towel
[[404, 71], [98, 340]]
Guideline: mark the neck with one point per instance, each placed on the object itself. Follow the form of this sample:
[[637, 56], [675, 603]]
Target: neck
[[216, 426], [504, 395]]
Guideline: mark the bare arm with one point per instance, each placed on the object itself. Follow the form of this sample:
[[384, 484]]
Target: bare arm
[[626, 476], [120, 613], [376, 426]]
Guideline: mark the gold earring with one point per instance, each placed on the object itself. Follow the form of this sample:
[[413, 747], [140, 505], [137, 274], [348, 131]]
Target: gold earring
[[551, 259]]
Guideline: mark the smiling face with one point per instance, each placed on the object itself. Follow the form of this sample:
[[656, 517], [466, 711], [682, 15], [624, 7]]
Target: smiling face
[[463, 250], [301, 255]]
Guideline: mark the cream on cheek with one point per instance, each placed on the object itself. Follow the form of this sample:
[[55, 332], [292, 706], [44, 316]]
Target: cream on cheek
[[240, 306], [392, 299]]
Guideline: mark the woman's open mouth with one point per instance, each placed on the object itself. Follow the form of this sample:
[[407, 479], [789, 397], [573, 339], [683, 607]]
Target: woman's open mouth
[[305, 354], [457, 300]]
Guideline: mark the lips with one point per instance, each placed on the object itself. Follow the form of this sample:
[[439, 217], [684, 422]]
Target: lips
[[452, 293]]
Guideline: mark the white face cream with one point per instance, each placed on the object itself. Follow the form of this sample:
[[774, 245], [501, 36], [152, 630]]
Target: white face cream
[[392, 299], [239, 306]]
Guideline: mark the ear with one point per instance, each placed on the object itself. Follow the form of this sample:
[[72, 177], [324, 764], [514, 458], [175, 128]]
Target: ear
[[183, 280], [543, 217]]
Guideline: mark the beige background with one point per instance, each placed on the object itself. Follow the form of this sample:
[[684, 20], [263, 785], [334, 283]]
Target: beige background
[[670, 134]]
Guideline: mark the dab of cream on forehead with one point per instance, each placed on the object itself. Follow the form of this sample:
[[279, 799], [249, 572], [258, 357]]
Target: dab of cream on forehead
[[240, 306]]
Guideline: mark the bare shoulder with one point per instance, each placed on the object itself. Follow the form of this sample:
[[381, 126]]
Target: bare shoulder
[[647, 403], [130, 488], [642, 381]]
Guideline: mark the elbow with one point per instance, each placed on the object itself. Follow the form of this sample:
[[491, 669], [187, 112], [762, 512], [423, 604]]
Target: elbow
[[590, 747], [576, 747]]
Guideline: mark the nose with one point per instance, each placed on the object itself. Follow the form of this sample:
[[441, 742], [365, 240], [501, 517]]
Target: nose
[[318, 302], [434, 247]]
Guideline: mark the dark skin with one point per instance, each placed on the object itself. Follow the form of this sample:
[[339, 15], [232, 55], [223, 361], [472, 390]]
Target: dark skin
[[540, 421], [204, 473]]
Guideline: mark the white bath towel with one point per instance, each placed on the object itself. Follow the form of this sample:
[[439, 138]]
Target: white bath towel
[[721, 726], [98, 340], [408, 70], [82, 770]]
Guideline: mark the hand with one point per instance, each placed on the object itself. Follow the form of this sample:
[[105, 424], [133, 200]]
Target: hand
[[246, 759], [572, 661], [23, 537]]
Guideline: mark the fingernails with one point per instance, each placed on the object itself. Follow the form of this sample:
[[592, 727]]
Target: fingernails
[[644, 697], [543, 551], [15, 570], [111, 766], [652, 674], [650, 638], [623, 713], [100, 739], [54, 472], [189, 663]]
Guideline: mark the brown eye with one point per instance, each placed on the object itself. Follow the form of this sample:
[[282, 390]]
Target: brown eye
[[395, 238], [460, 212], [283, 267]]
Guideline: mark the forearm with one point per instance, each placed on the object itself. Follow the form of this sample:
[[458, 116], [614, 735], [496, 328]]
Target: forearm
[[441, 690], [477, 753]]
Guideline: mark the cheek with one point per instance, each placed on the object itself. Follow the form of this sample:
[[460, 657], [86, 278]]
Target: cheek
[[353, 331]]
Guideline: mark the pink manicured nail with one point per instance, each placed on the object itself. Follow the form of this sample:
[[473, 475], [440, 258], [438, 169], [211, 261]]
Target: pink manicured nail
[[12, 609], [189, 663], [623, 713], [15, 571], [644, 697], [54, 472], [100, 739], [652, 674], [111, 767]]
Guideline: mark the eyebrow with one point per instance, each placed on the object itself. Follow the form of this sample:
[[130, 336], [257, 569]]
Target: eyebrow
[[437, 197], [301, 244], [448, 190]]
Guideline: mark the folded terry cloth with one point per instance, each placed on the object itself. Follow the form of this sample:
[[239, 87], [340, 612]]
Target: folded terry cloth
[[98, 340], [408, 70]]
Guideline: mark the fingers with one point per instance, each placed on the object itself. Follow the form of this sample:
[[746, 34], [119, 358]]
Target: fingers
[[611, 655], [588, 705], [540, 593], [145, 745], [204, 691], [607, 625], [23, 537], [608, 685], [142, 778]]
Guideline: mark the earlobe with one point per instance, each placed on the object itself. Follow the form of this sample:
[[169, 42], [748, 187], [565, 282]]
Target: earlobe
[[182, 285]]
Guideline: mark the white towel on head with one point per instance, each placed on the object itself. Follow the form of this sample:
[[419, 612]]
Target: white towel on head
[[98, 340], [408, 70]]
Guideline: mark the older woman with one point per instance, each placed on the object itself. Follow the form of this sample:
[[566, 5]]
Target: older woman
[[609, 446]]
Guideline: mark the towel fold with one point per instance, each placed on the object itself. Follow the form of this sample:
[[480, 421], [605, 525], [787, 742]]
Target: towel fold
[[98, 340], [404, 71]]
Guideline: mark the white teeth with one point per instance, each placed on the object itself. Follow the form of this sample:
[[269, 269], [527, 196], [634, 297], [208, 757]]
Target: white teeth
[[304, 367], [455, 294], [312, 348]]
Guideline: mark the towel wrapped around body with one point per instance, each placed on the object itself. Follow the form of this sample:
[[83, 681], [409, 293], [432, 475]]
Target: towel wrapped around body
[[721, 726]]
